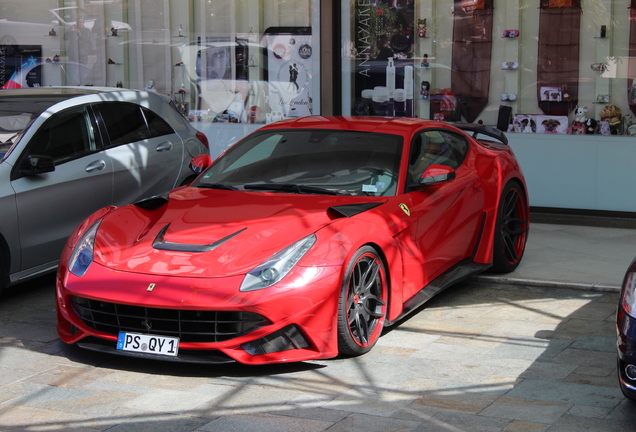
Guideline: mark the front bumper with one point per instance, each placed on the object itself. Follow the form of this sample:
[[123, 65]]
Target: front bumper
[[300, 313]]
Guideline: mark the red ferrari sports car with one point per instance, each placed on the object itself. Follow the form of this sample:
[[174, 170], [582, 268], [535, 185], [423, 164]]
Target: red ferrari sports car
[[301, 242]]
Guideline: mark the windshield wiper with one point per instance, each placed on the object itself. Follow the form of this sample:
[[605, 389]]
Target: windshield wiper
[[290, 187], [216, 186]]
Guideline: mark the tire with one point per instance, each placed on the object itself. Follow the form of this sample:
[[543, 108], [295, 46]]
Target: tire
[[363, 303], [511, 231]]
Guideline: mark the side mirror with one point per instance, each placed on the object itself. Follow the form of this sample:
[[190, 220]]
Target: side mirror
[[200, 163], [435, 174], [36, 165]]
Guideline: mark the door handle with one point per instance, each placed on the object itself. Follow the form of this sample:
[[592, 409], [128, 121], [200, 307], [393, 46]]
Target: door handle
[[96, 166], [164, 146]]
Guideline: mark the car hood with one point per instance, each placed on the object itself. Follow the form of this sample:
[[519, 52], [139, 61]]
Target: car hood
[[214, 233]]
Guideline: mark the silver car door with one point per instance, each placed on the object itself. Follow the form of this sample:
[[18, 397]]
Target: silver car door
[[145, 151], [52, 204]]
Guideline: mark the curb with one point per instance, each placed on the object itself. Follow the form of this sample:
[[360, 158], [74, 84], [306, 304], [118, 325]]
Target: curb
[[597, 287]]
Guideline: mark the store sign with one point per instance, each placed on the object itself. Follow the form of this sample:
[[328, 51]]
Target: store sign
[[381, 56], [363, 36]]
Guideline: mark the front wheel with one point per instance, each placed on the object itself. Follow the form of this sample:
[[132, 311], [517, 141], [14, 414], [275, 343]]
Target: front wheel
[[363, 303], [511, 231]]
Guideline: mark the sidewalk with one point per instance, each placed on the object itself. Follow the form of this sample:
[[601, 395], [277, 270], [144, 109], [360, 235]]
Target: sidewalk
[[479, 357], [570, 256]]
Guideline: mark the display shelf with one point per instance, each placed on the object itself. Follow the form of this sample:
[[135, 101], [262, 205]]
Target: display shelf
[[602, 82]]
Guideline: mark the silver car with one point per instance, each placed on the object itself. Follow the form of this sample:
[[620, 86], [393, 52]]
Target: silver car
[[65, 152]]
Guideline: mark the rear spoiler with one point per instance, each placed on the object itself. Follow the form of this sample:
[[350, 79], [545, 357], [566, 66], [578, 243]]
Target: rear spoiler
[[477, 129]]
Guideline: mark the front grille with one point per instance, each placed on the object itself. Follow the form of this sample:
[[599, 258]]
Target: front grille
[[201, 326]]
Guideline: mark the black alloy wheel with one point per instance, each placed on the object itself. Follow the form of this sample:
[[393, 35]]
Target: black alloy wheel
[[512, 226], [363, 303]]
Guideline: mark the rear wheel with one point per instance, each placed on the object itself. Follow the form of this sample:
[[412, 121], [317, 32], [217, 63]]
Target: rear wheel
[[363, 303], [512, 229]]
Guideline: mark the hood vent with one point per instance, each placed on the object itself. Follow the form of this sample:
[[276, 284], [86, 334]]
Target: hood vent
[[161, 244], [350, 210], [152, 203]]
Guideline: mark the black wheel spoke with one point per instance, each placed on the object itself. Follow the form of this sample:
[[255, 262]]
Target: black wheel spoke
[[512, 226], [362, 327], [511, 252]]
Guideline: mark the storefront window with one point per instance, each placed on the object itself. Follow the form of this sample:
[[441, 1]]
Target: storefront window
[[229, 65], [535, 66]]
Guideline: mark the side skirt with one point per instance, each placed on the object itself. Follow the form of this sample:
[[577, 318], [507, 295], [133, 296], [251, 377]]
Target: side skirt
[[459, 272]]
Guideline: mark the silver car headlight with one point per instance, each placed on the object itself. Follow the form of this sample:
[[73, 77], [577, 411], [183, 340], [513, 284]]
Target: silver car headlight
[[82, 255], [628, 299], [275, 268]]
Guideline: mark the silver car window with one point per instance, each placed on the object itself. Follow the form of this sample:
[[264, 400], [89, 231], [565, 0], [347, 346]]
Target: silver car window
[[157, 125], [124, 123], [65, 136]]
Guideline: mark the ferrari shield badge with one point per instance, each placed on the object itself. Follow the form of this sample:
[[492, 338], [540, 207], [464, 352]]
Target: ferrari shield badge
[[150, 287], [405, 209]]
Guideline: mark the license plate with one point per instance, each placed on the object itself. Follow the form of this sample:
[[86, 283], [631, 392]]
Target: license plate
[[148, 344]]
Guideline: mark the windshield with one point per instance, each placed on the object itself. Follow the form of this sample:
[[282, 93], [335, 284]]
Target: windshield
[[17, 113], [310, 161]]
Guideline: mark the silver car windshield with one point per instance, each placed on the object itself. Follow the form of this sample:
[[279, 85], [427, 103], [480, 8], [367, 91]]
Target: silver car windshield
[[331, 162], [16, 115]]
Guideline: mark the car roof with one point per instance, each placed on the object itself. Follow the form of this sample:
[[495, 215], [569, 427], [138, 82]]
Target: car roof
[[61, 92], [36, 100], [401, 126]]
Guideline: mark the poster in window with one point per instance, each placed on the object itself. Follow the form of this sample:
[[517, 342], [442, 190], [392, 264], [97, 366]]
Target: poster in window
[[289, 71], [20, 66]]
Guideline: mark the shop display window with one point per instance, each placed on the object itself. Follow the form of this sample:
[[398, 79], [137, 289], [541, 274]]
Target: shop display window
[[524, 66], [221, 61]]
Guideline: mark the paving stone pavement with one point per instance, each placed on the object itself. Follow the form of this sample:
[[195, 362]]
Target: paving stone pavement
[[480, 357], [532, 351]]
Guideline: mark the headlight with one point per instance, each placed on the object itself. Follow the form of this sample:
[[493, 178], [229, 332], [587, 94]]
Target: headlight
[[82, 255], [275, 268], [628, 299]]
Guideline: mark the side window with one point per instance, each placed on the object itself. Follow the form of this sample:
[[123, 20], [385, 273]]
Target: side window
[[436, 147], [458, 146], [65, 136], [124, 123], [157, 125]]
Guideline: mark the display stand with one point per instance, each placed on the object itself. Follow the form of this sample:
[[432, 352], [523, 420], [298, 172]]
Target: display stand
[[180, 89], [115, 73], [424, 74], [603, 54], [512, 50]]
